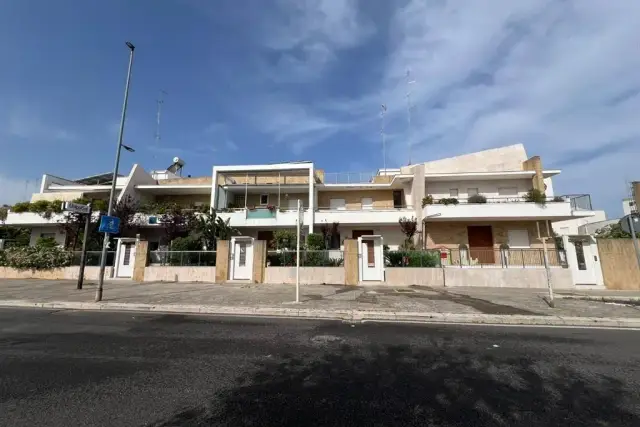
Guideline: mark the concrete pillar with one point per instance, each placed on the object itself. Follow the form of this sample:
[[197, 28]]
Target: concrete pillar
[[259, 260], [535, 164], [140, 262], [312, 198], [351, 262], [222, 261], [214, 190]]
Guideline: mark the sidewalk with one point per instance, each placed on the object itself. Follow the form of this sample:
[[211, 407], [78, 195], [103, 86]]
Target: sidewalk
[[415, 303]]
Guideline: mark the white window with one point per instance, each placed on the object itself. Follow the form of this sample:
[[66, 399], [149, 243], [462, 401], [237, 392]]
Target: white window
[[508, 191], [337, 204], [264, 199], [518, 238], [367, 203], [453, 192], [472, 192]]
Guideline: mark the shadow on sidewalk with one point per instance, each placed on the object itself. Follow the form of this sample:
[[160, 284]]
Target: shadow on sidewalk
[[404, 387]]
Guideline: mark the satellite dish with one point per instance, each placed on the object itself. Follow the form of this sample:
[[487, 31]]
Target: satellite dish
[[624, 223]]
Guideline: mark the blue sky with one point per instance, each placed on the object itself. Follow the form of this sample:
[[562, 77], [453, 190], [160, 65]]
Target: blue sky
[[255, 81]]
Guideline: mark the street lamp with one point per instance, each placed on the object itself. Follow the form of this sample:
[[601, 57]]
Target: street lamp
[[105, 244]]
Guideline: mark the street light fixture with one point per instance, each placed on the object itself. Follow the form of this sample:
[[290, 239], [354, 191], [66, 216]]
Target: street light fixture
[[105, 243], [129, 149]]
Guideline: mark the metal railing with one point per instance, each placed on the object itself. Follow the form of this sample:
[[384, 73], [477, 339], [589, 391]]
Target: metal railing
[[503, 258], [93, 258], [371, 208], [400, 258], [349, 177], [183, 258], [492, 200], [323, 258]]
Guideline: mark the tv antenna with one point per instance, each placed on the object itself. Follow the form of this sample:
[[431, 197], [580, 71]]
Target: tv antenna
[[409, 83], [383, 110], [159, 102]]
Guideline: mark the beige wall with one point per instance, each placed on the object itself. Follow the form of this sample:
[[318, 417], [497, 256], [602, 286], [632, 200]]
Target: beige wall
[[308, 275], [413, 276], [353, 199], [64, 196], [65, 273], [222, 261], [535, 164], [619, 264], [179, 274], [452, 234], [508, 277], [186, 181]]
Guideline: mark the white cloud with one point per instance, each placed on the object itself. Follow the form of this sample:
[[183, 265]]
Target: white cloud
[[13, 190]]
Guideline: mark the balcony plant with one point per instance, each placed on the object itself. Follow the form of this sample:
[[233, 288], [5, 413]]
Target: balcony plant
[[271, 208], [448, 201], [558, 199], [535, 196], [20, 207], [427, 200], [477, 198]]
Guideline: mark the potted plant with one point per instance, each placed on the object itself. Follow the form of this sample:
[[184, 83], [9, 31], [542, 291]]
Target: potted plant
[[535, 196], [271, 208], [448, 201], [558, 199], [477, 198], [427, 200]]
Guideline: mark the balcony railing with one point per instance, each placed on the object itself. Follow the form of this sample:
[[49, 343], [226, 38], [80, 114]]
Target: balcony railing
[[503, 258], [578, 202], [366, 209], [349, 177]]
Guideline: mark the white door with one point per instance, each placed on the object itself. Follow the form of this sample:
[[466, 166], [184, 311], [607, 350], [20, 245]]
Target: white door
[[584, 264], [126, 258], [242, 259], [371, 256]]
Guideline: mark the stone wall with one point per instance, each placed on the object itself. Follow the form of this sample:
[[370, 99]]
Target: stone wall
[[179, 274], [308, 275], [619, 265], [353, 199], [413, 276], [65, 273]]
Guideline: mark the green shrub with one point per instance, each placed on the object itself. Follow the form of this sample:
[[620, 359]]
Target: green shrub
[[3, 258], [20, 207], [282, 259], [186, 244], [46, 242], [477, 198], [412, 259], [535, 196], [448, 201], [315, 242], [558, 199], [284, 239], [427, 200], [37, 258]]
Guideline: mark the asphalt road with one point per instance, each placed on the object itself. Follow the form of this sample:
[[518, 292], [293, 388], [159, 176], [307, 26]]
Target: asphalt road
[[115, 369]]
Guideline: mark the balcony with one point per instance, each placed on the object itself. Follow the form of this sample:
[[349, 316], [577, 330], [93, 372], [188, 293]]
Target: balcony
[[363, 216], [558, 208], [262, 217]]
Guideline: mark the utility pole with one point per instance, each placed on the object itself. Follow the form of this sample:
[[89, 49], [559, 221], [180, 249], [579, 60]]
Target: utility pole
[[105, 243], [83, 256], [383, 110], [409, 141]]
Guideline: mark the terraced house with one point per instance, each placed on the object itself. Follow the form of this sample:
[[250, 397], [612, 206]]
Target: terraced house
[[481, 209]]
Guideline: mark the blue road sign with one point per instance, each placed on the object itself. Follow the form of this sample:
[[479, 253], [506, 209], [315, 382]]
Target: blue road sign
[[109, 224]]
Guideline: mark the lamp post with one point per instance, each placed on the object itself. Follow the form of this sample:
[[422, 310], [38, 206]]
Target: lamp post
[[105, 244]]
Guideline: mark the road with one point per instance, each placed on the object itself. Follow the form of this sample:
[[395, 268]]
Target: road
[[64, 368]]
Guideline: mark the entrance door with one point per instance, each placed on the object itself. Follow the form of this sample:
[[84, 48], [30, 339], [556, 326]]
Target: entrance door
[[481, 243], [360, 233], [126, 258], [583, 267], [242, 259], [371, 256]]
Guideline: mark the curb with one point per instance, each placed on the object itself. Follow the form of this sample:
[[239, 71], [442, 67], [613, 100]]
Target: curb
[[353, 316], [616, 299]]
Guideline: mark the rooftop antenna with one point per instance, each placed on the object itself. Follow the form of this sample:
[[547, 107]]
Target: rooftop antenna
[[160, 101], [383, 110], [409, 83]]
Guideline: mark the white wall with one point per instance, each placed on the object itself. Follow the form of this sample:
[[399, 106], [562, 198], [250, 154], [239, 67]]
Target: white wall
[[571, 226], [37, 231], [488, 188], [137, 176]]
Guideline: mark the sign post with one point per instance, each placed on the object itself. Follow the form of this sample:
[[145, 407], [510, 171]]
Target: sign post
[[299, 221], [82, 210]]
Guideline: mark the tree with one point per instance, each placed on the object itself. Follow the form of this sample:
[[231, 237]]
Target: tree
[[284, 239], [126, 210], [177, 221], [212, 228], [409, 227], [614, 231]]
